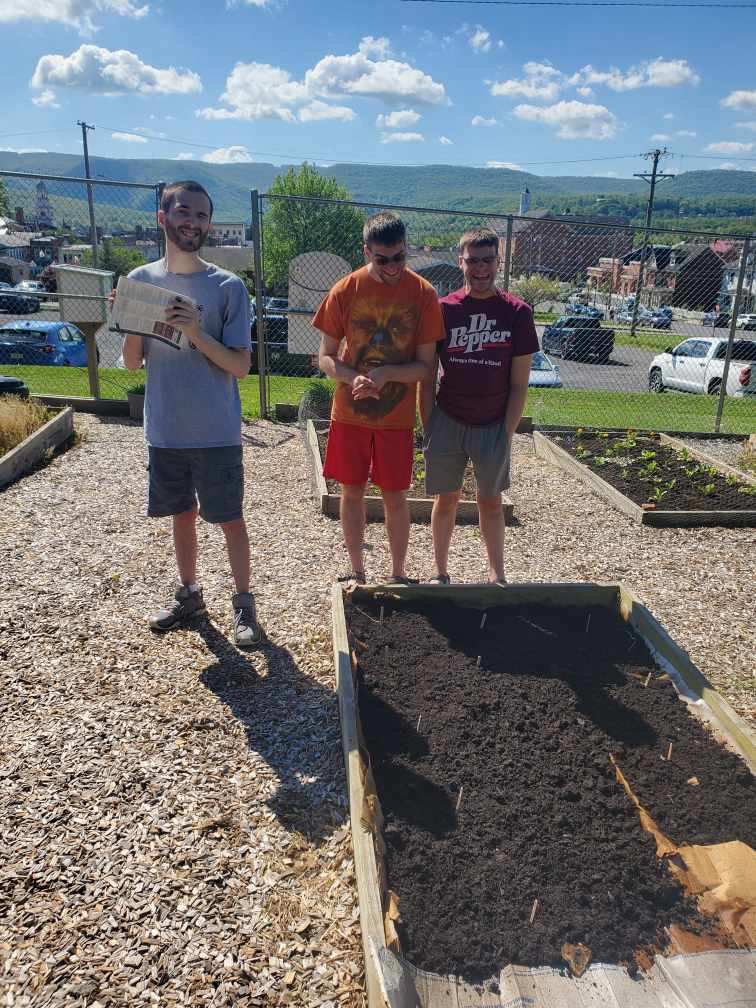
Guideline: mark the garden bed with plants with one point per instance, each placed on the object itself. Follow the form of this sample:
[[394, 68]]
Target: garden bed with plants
[[652, 478], [513, 740], [28, 431]]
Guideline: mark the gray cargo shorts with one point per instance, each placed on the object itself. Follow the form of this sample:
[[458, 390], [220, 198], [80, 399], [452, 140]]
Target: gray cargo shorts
[[179, 477], [448, 445]]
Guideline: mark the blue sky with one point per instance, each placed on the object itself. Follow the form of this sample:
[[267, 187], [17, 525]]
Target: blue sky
[[402, 83]]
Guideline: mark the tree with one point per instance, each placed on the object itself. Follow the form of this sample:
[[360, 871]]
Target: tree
[[291, 227], [115, 256], [535, 289], [3, 198]]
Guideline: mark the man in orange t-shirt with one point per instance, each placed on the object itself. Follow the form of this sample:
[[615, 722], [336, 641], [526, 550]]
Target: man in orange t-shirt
[[386, 320]]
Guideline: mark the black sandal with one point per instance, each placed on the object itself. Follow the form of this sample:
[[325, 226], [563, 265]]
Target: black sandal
[[355, 578], [398, 579], [440, 579]]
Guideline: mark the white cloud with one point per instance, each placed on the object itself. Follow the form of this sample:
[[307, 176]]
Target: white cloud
[[77, 14], [729, 166], [480, 40], [378, 47], [542, 82], [746, 125], [262, 91], [729, 147], [503, 164], [184, 156], [480, 120], [256, 3], [401, 137], [397, 120], [658, 72], [586, 92], [106, 72], [318, 110], [686, 133], [445, 140], [128, 137], [24, 150], [574, 120], [745, 101], [228, 155], [659, 137], [46, 99], [668, 115]]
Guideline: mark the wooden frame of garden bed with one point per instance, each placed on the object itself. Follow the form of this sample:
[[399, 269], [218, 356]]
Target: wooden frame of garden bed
[[25, 455], [549, 450], [420, 507], [386, 984]]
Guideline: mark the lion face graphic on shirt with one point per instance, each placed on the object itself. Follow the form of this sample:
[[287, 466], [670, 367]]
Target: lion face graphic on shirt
[[383, 334]]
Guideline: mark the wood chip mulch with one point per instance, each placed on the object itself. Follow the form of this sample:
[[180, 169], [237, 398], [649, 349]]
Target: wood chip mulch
[[173, 817]]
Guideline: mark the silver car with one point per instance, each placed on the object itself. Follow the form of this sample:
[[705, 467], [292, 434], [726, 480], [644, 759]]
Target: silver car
[[543, 372]]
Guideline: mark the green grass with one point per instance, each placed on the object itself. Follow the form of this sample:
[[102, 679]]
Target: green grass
[[571, 407], [648, 339], [639, 410]]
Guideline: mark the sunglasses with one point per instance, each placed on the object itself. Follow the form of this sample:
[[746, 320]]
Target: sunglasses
[[477, 260], [383, 260]]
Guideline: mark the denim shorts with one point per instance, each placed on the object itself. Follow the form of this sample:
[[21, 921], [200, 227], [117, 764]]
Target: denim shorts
[[180, 477], [448, 445]]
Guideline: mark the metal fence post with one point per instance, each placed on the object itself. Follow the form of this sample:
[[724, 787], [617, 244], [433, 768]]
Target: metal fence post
[[259, 301], [731, 336], [158, 200], [507, 254]]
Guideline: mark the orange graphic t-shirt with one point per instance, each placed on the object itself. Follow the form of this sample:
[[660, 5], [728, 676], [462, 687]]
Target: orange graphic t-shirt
[[377, 324]]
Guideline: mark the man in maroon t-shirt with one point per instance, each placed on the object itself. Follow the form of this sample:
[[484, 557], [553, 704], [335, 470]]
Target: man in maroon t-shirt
[[485, 360]]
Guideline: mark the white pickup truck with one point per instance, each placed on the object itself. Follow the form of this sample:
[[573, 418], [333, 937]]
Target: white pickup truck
[[697, 365]]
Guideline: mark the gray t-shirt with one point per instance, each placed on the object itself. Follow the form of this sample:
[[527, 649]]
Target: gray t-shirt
[[190, 402]]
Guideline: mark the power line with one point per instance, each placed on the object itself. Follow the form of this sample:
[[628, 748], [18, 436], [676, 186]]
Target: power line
[[587, 3], [34, 133]]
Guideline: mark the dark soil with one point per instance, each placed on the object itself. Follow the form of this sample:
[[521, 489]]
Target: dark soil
[[527, 738], [418, 473], [670, 479]]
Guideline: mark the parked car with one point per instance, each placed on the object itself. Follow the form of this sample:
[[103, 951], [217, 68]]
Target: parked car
[[576, 308], [543, 372], [16, 302], [661, 318], [697, 365], [52, 343], [745, 322], [718, 320], [277, 304], [644, 317], [578, 337], [31, 287], [13, 386]]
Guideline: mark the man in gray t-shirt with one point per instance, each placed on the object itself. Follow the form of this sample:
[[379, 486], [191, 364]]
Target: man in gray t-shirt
[[192, 405]]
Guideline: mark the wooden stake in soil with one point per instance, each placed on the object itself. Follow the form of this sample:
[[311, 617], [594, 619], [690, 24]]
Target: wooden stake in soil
[[483, 620], [648, 679], [459, 796], [534, 910], [420, 718], [385, 652], [669, 752], [587, 622], [381, 617], [477, 663]]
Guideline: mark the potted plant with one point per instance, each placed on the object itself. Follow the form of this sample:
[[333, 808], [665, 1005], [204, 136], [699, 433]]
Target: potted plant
[[135, 396]]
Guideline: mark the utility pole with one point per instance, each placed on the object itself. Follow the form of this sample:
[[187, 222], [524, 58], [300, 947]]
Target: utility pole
[[652, 178], [90, 199]]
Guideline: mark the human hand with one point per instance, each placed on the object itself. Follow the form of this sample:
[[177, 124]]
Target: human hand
[[111, 299], [363, 387], [183, 314], [379, 376]]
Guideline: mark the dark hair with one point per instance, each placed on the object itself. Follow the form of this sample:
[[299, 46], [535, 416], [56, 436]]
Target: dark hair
[[478, 237], [169, 192], [384, 228]]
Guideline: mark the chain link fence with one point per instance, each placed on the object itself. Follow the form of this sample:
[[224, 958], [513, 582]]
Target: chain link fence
[[644, 330], [53, 331]]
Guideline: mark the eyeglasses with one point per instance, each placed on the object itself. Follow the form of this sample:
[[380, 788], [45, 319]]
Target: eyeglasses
[[477, 260], [383, 260]]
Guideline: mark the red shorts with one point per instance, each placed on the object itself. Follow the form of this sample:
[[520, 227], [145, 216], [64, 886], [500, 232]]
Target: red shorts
[[356, 454]]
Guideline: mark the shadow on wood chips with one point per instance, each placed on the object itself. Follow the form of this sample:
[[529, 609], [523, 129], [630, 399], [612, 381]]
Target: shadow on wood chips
[[526, 738], [292, 722]]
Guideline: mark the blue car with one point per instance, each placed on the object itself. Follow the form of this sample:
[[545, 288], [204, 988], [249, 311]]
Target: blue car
[[55, 343]]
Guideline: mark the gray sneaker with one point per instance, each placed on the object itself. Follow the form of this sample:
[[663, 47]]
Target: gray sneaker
[[185, 605], [246, 629]]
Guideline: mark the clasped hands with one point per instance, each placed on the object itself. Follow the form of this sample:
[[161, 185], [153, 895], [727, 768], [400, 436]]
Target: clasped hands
[[368, 386]]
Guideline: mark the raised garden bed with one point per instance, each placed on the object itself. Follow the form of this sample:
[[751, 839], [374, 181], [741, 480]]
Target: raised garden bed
[[29, 452], [492, 827], [327, 493], [653, 478]]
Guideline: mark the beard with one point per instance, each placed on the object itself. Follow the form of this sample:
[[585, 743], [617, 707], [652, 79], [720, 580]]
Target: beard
[[186, 243]]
